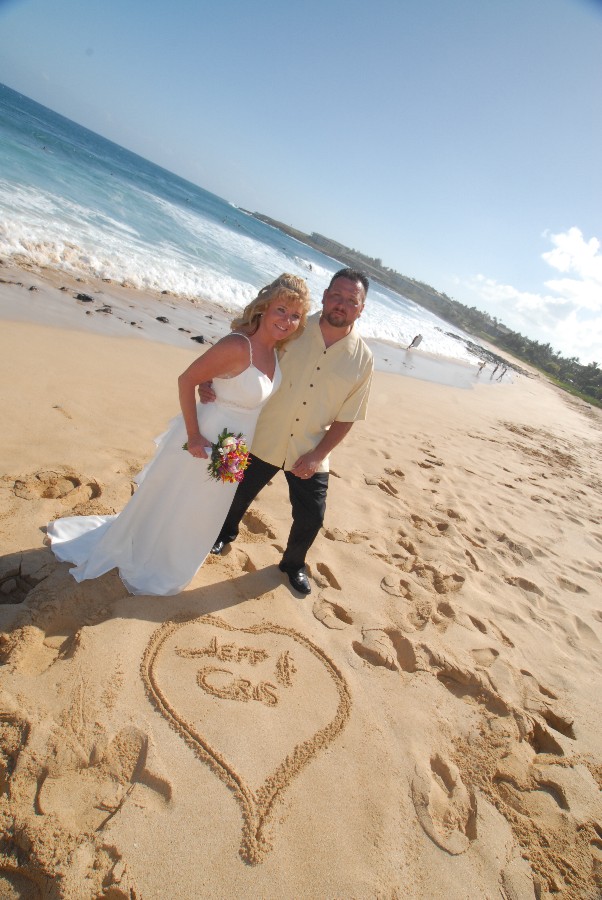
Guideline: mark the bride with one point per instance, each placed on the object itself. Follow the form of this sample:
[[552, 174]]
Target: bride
[[161, 538]]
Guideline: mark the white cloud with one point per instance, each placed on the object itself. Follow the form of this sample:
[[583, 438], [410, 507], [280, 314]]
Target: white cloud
[[568, 314], [573, 254]]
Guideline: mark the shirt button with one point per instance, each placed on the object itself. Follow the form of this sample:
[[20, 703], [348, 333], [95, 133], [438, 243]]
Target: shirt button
[[318, 368], [296, 420], [311, 385], [305, 403]]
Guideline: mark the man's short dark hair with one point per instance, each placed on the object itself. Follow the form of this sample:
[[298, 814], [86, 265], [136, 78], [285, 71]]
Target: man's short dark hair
[[352, 275]]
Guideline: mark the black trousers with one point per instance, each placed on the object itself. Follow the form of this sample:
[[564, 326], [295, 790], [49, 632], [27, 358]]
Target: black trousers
[[308, 501]]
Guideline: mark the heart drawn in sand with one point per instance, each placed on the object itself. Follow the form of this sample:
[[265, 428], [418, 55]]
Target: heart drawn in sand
[[256, 704]]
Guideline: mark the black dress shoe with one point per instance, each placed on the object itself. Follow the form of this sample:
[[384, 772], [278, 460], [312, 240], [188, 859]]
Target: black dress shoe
[[218, 547], [298, 579]]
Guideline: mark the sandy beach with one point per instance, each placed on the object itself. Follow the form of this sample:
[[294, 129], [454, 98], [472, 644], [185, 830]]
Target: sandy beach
[[424, 725]]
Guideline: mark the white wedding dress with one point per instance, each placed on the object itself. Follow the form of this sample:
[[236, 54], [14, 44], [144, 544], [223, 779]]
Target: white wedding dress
[[161, 538]]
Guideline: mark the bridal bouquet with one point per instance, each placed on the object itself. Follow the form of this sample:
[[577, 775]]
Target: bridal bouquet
[[229, 457]]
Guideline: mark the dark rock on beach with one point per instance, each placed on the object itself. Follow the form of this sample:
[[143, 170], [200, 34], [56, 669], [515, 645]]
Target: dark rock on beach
[[85, 298], [198, 338], [486, 355]]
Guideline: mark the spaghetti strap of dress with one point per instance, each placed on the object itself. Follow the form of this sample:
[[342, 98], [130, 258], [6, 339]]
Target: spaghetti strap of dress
[[241, 334]]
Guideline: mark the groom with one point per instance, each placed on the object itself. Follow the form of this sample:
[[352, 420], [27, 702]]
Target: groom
[[326, 377]]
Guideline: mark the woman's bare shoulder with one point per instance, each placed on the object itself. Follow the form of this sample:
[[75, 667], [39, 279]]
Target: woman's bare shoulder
[[235, 337], [234, 354]]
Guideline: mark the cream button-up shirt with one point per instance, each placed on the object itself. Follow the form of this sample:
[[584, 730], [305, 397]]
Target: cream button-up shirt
[[319, 386]]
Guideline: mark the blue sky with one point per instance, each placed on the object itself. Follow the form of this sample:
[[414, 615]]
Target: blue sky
[[460, 142]]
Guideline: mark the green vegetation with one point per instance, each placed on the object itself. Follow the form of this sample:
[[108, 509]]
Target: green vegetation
[[570, 374]]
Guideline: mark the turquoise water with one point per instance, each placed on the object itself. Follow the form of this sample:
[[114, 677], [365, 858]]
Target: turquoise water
[[74, 201]]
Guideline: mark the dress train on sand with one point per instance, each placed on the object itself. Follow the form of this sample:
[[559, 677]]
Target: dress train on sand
[[163, 535]]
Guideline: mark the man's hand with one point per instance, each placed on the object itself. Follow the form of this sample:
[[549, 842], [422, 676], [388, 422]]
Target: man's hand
[[307, 465], [206, 392]]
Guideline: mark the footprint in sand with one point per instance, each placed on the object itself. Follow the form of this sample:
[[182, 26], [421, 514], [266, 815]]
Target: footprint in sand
[[434, 528], [88, 798], [55, 628], [442, 583], [351, 537], [241, 560], [584, 632], [480, 626], [388, 648], [420, 608], [21, 572], [445, 609], [541, 738], [446, 808], [53, 485], [517, 549], [536, 686], [524, 584], [257, 527], [475, 543], [563, 724], [472, 562], [454, 514], [383, 483], [376, 648], [469, 621], [430, 462], [485, 656], [500, 635], [330, 614], [407, 544], [462, 679], [328, 576], [397, 587], [567, 585], [21, 881], [396, 473]]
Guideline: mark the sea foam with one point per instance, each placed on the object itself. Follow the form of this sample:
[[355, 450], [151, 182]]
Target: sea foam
[[72, 201]]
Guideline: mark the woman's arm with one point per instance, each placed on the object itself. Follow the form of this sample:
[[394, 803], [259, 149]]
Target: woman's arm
[[230, 356]]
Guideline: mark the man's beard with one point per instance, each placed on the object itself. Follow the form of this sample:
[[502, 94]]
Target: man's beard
[[337, 320]]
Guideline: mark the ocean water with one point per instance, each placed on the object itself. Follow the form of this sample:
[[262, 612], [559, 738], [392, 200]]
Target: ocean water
[[74, 201]]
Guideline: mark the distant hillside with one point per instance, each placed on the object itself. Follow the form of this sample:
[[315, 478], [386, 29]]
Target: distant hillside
[[568, 373], [421, 293]]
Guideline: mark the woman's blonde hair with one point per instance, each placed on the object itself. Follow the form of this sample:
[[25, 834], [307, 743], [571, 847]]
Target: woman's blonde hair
[[286, 289]]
